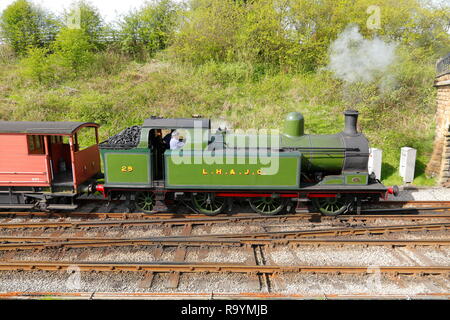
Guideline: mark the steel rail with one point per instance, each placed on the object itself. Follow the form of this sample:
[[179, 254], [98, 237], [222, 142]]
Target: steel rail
[[374, 230], [409, 205], [213, 268], [343, 231], [40, 243], [124, 215], [205, 220], [214, 295], [418, 203]]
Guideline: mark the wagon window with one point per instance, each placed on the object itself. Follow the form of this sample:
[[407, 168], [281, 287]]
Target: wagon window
[[56, 139], [35, 144], [30, 144]]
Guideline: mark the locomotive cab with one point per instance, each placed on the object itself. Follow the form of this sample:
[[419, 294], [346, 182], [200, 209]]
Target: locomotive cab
[[159, 133]]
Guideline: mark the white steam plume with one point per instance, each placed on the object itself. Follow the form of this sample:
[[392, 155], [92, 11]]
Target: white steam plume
[[353, 58]]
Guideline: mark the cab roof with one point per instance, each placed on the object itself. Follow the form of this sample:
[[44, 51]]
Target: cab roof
[[175, 123], [45, 127]]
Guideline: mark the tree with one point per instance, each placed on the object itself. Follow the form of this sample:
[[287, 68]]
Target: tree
[[25, 25], [73, 49], [86, 17], [209, 31], [294, 35], [148, 29], [265, 38]]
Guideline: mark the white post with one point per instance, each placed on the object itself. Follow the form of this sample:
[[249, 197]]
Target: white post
[[375, 160], [407, 164]]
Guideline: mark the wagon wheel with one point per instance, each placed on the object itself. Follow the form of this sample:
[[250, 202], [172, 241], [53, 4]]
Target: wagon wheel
[[332, 206], [207, 203], [145, 201], [267, 205]]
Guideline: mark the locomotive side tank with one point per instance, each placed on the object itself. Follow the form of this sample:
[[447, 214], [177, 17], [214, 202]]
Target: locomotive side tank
[[338, 159]]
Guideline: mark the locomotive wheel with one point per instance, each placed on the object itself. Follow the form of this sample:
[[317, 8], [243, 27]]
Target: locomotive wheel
[[208, 203], [145, 201], [267, 205], [332, 206]]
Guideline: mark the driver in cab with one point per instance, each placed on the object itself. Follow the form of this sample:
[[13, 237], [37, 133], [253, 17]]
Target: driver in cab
[[175, 142]]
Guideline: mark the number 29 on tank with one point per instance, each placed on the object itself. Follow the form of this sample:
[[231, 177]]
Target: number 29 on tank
[[126, 169]]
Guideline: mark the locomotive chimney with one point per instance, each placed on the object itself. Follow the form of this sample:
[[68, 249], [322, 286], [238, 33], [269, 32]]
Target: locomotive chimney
[[351, 118]]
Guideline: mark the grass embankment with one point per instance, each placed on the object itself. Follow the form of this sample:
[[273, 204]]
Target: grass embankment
[[241, 94]]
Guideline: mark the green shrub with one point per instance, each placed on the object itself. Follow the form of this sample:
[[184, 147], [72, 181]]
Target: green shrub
[[73, 50], [36, 66]]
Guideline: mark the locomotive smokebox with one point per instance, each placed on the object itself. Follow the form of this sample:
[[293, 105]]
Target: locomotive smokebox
[[351, 119]]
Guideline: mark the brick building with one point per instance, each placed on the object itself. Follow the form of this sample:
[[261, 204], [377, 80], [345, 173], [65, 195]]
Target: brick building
[[439, 165]]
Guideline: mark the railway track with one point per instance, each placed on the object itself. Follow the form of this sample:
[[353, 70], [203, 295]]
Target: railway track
[[41, 243], [272, 238], [385, 207], [346, 231], [53, 223], [215, 268], [62, 231]]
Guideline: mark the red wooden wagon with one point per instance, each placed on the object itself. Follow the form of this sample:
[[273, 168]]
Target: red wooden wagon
[[44, 161]]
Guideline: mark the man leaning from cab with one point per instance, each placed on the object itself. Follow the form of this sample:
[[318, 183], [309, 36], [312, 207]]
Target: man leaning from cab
[[175, 142]]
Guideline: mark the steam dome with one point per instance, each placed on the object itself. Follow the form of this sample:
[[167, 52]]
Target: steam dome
[[294, 125]]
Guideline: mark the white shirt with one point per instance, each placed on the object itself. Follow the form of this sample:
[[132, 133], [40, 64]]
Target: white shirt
[[175, 143]]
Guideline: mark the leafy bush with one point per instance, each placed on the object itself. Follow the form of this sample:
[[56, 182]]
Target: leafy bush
[[73, 50], [36, 66], [23, 24]]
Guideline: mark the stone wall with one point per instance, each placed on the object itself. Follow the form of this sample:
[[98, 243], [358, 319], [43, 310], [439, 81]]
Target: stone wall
[[439, 165]]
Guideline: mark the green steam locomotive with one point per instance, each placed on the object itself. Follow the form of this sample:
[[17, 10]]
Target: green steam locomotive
[[271, 170]]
